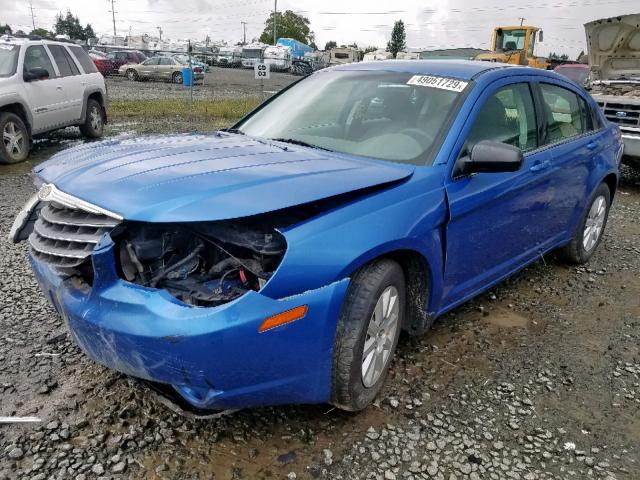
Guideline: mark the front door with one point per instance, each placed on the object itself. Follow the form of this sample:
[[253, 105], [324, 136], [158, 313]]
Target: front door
[[46, 97], [498, 221]]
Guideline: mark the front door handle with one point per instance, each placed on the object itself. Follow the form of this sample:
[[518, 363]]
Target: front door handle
[[592, 145], [58, 87], [538, 167]]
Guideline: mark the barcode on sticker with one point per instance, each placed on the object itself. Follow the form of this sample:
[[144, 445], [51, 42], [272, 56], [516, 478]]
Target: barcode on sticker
[[442, 83]]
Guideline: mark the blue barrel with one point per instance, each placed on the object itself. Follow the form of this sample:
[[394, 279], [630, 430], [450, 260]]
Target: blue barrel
[[187, 77]]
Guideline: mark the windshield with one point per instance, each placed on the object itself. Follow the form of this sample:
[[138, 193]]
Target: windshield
[[508, 40], [374, 114], [8, 59], [254, 53]]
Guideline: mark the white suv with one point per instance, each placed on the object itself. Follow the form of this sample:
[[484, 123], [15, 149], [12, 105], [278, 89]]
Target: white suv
[[46, 85]]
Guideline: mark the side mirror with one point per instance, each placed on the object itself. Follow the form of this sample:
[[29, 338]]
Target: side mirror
[[493, 157], [540, 36], [37, 73]]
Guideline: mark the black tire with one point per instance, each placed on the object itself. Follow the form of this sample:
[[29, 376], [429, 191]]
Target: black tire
[[93, 126], [367, 285], [177, 77], [15, 141], [575, 252], [132, 75]]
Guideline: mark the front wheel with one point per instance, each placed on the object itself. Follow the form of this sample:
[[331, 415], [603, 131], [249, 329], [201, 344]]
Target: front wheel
[[367, 334], [93, 126], [15, 139], [590, 229]]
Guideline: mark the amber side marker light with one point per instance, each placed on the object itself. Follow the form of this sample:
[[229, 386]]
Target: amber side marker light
[[283, 318]]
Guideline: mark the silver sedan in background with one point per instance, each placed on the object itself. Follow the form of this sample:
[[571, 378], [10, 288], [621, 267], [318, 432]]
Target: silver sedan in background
[[159, 68]]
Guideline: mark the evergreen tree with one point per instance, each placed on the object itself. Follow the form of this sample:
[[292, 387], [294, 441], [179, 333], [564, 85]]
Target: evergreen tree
[[398, 40]]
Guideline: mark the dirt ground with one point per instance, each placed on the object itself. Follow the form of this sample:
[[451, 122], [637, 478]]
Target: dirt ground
[[537, 379]]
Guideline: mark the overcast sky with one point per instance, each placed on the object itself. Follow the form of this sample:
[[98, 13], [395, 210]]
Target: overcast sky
[[430, 23]]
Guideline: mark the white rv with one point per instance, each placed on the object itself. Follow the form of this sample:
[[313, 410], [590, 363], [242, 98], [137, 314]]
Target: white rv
[[408, 56], [278, 57], [229, 56], [252, 54], [342, 55], [377, 55]]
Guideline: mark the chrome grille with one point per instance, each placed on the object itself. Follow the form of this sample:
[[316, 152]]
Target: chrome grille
[[622, 114], [64, 236]]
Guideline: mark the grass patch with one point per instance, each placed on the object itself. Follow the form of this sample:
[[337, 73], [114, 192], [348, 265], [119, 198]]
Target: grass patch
[[165, 115]]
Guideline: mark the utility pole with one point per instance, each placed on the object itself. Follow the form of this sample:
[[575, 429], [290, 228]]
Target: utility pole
[[113, 15], [33, 21], [244, 33], [160, 32], [275, 20], [522, 19]]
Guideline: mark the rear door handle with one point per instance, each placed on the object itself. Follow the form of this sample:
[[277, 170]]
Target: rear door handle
[[58, 87], [592, 145], [538, 167]]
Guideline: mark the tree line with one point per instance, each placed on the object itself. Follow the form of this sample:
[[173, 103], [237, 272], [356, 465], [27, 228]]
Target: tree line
[[68, 24]]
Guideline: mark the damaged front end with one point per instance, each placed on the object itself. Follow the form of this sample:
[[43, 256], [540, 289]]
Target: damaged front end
[[201, 264]]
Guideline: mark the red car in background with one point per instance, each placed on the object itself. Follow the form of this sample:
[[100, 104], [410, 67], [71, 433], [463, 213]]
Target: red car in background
[[125, 57], [102, 63]]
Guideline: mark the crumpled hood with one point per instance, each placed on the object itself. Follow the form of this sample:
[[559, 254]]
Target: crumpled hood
[[614, 47], [186, 178]]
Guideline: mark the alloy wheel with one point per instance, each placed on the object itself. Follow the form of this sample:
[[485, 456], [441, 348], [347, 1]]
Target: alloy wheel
[[13, 139], [381, 333], [95, 118], [594, 223]]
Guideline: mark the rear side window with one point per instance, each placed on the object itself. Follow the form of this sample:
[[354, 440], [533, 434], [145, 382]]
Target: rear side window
[[84, 59], [166, 61], [65, 63], [36, 57], [568, 115], [508, 116]]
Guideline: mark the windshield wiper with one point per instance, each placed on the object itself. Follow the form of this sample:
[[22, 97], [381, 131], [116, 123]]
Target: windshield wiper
[[293, 141]]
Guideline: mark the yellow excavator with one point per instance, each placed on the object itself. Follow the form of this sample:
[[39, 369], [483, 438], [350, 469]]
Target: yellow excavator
[[515, 45]]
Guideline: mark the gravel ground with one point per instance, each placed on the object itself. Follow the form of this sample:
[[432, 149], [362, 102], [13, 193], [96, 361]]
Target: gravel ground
[[537, 379], [218, 83]]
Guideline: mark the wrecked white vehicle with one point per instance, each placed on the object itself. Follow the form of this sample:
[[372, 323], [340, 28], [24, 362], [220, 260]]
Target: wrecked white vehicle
[[614, 56]]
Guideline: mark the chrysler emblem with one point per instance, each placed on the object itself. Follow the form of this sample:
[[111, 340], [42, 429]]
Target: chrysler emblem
[[45, 191]]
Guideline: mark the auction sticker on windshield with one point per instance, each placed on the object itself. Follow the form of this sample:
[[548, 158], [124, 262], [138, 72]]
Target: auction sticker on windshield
[[442, 83]]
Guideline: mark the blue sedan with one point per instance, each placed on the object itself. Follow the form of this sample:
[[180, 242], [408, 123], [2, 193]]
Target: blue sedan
[[278, 261]]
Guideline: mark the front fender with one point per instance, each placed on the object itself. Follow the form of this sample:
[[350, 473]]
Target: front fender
[[331, 246]]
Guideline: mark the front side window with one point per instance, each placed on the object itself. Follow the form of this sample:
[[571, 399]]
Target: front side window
[[374, 114], [568, 115], [66, 65], [508, 116], [36, 57], [166, 61], [8, 59]]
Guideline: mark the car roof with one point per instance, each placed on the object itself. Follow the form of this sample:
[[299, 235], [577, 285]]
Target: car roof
[[461, 69]]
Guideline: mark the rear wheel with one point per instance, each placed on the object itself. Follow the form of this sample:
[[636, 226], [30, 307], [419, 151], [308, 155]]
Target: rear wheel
[[132, 75], [177, 77], [591, 228], [367, 334], [93, 126], [15, 139]]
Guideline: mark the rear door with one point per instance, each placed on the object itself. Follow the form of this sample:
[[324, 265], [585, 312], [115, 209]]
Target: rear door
[[71, 81], [574, 143], [497, 220], [46, 97], [166, 68]]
